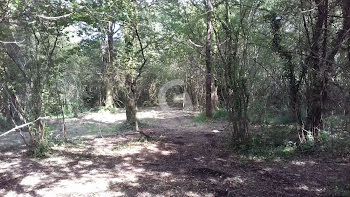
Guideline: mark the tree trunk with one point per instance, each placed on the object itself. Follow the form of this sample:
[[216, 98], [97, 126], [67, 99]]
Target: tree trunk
[[130, 101], [209, 110], [347, 101], [347, 116], [38, 133], [109, 103], [109, 59], [316, 90], [321, 66], [235, 84], [215, 98]]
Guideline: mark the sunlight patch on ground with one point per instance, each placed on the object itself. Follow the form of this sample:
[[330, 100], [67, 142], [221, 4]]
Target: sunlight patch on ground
[[105, 117], [5, 166], [303, 187], [303, 163], [15, 194], [147, 114], [298, 163], [82, 186], [165, 174], [33, 179], [268, 169], [193, 194], [237, 180]]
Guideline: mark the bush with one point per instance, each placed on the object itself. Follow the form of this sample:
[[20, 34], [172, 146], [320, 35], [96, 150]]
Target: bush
[[200, 117], [273, 143], [148, 104], [220, 114], [44, 147]]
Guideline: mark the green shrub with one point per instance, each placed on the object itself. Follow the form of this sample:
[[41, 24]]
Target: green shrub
[[200, 117], [275, 142], [148, 104], [325, 137], [219, 114], [334, 121], [44, 147]]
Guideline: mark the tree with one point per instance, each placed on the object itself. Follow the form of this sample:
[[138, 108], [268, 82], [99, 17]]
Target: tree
[[320, 60], [33, 67], [208, 80]]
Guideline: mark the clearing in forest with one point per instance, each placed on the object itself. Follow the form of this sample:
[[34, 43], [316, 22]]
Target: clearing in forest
[[184, 158]]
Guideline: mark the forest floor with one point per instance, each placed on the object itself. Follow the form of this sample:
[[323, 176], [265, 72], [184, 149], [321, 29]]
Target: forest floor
[[184, 158]]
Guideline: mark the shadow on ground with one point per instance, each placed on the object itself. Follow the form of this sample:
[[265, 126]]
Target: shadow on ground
[[184, 159]]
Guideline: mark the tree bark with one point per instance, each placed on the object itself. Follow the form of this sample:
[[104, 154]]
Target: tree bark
[[208, 110], [109, 59], [130, 101], [316, 89], [215, 97]]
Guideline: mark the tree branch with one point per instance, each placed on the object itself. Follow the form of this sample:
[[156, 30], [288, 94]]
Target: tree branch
[[142, 53], [19, 127]]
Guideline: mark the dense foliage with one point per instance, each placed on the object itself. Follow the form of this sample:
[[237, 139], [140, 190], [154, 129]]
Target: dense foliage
[[264, 62]]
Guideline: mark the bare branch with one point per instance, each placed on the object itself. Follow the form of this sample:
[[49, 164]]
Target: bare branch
[[19, 127], [196, 45], [142, 52], [11, 42], [54, 18]]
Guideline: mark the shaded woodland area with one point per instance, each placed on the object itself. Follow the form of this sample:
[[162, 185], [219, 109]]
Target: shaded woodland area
[[174, 98]]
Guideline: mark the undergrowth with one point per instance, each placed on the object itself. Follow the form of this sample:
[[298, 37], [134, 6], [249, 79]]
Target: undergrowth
[[219, 114], [281, 143]]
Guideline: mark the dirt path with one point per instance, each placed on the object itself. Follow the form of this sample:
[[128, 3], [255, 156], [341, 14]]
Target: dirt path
[[185, 159]]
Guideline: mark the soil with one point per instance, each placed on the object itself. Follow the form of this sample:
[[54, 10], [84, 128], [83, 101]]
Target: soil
[[184, 158]]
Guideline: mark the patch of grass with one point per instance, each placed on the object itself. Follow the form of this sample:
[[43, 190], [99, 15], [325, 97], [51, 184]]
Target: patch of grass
[[219, 114], [95, 128], [200, 118], [113, 110], [72, 142], [127, 126]]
